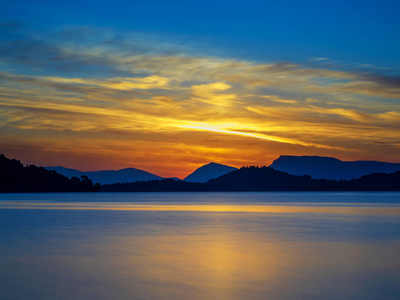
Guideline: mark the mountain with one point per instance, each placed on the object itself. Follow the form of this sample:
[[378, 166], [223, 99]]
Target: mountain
[[109, 176], [331, 168], [17, 178], [66, 172], [243, 179], [209, 171], [263, 179], [268, 179]]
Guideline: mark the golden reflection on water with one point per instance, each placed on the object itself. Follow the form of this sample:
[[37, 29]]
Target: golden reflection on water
[[341, 208], [226, 265], [220, 266], [217, 254]]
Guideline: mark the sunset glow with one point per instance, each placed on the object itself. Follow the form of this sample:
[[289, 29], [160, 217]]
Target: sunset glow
[[95, 97]]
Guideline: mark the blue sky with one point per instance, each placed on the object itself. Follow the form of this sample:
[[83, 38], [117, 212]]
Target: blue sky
[[234, 82], [364, 32]]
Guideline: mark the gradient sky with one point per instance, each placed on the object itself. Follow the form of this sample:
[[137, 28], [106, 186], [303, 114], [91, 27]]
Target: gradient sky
[[167, 86]]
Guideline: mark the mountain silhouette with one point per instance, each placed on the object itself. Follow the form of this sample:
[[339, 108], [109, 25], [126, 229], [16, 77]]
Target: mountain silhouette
[[263, 179], [109, 176], [17, 178], [330, 168], [268, 179], [208, 171]]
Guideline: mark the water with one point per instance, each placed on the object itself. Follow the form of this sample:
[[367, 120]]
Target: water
[[200, 246]]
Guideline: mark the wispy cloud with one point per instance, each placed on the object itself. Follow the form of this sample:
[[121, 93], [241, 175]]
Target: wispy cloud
[[136, 87]]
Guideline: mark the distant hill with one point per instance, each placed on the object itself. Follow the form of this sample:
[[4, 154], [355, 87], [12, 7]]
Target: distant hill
[[268, 179], [109, 176], [209, 171], [264, 179], [17, 178], [331, 168]]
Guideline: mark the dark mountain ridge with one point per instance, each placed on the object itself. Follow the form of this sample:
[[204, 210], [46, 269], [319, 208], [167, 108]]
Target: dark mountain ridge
[[202, 174], [269, 179], [319, 167], [208, 171], [264, 179], [15, 177], [109, 176]]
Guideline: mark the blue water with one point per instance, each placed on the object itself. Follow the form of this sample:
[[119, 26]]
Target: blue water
[[200, 246]]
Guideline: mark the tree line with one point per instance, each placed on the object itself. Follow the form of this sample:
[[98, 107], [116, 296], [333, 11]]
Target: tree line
[[17, 178]]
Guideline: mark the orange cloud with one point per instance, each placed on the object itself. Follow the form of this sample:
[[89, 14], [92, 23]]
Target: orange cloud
[[156, 108]]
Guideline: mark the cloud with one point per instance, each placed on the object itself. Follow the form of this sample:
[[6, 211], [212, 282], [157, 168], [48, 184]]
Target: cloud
[[206, 127], [113, 87], [369, 88], [211, 94], [278, 99], [319, 58], [118, 83], [107, 53]]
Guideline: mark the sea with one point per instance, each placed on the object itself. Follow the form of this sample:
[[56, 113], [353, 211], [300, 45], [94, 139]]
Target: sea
[[250, 245]]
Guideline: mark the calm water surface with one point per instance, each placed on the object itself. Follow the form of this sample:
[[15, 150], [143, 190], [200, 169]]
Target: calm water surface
[[200, 246]]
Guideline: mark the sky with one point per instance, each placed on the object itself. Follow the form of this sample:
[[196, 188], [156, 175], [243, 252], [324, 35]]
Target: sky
[[168, 86]]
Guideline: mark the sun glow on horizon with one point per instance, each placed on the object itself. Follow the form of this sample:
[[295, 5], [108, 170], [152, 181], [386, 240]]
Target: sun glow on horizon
[[166, 112]]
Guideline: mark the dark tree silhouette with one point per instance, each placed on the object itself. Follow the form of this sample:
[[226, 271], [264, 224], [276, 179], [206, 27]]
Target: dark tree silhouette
[[15, 177]]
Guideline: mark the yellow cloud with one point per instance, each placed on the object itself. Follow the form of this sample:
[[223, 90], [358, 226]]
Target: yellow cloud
[[208, 93], [206, 107], [146, 83], [118, 83], [218, 129], [278, 99]]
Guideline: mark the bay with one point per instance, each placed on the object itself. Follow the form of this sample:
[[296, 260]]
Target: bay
[[200, 246]]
